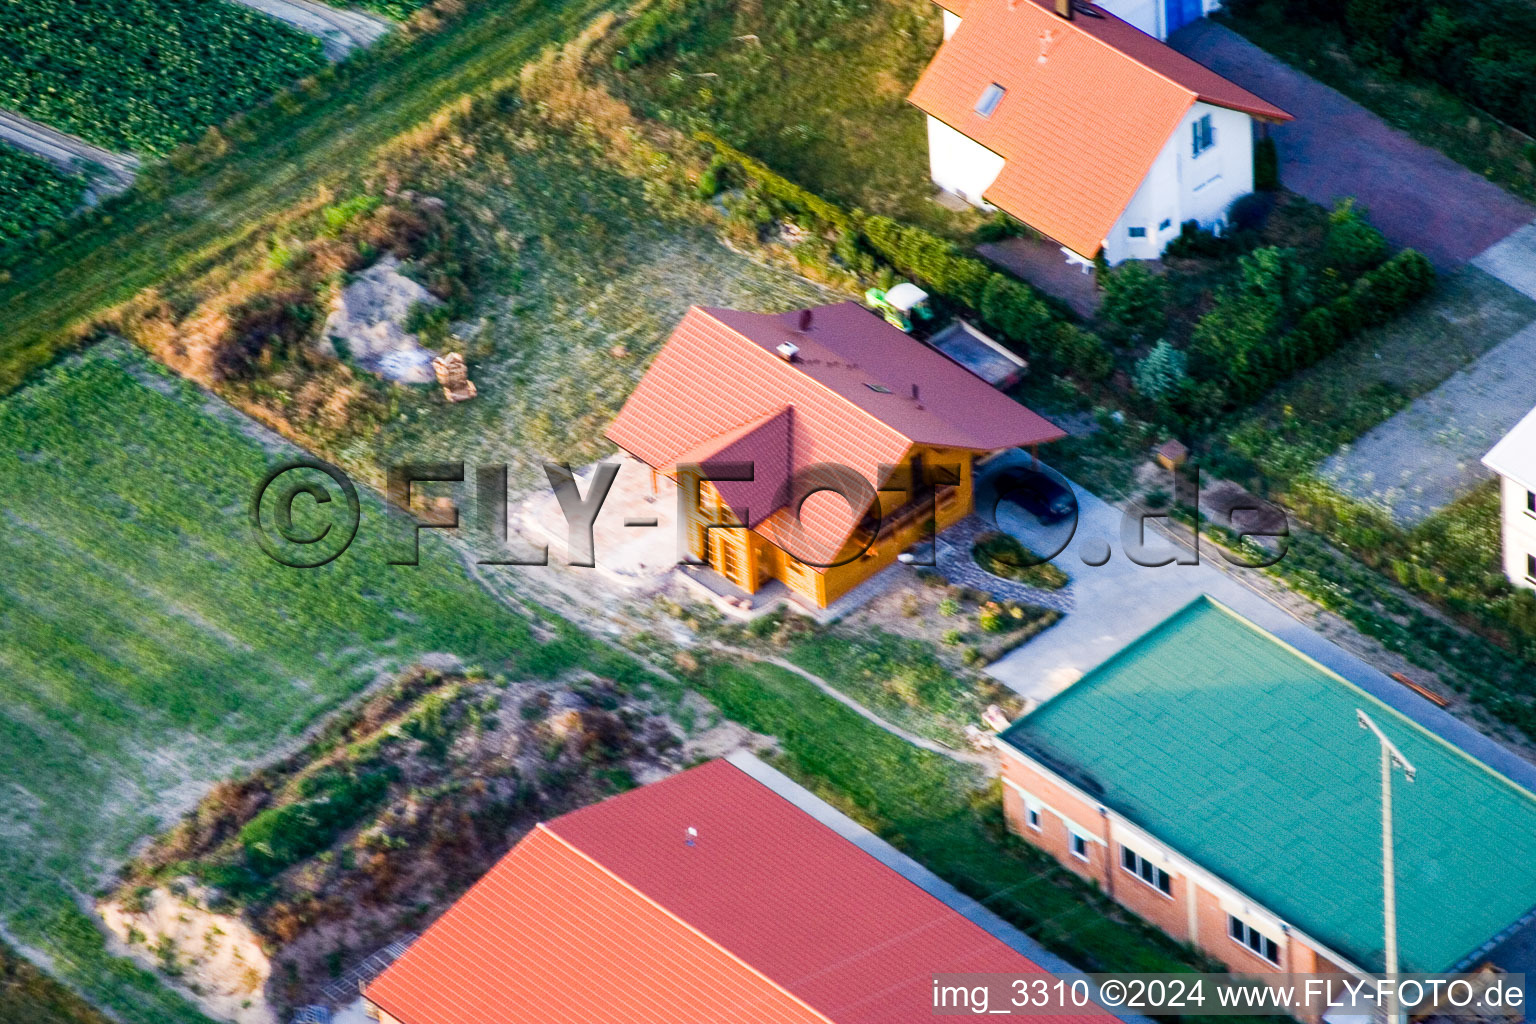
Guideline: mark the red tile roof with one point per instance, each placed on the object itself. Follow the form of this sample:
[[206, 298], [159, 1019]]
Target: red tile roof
[[608, 916], [1089, 105], [859, 394]]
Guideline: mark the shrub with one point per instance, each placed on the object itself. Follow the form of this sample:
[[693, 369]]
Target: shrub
[[1195, 241], [1016, 312], [998, 227], [1004, 556], [1353, 246], [1134, 302], [1081, 353], [1266, 165], [1161, 374]]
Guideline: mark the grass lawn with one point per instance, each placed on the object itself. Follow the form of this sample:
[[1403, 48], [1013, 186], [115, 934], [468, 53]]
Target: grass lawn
[[816, 90], [1308, 417], [1423, 109], [942, 813], [192, 211], [149, 647], [573, 275]]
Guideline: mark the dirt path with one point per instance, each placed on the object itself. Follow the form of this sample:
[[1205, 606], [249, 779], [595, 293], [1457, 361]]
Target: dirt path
[[110, 172], [964, 757], [341, 30]]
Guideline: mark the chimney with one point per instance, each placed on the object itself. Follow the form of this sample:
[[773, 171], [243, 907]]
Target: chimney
[[805, 320], [1064, 9], [788, 351], [916, 396]]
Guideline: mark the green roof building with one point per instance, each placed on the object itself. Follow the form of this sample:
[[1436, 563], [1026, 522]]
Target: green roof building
[[1218, 782]]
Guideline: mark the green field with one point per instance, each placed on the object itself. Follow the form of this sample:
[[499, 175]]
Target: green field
[[192, 214], [143, 75], [148, 647], [33, 194]]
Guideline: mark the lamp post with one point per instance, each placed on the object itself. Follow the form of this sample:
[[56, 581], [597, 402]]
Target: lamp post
[[1390, 756]]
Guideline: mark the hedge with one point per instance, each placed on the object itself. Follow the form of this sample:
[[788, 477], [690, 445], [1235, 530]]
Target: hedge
[[1005, 305], [1375, 298]]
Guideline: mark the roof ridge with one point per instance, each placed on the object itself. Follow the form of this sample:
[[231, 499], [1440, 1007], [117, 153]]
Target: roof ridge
[[544, 827], [1193, 95], [844, 399]]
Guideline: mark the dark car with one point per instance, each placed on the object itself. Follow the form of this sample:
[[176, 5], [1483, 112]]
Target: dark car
[[1037, 492]]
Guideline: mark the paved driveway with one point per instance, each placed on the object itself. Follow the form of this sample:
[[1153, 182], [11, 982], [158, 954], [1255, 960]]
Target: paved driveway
[[1119, 600], [1335, 147]]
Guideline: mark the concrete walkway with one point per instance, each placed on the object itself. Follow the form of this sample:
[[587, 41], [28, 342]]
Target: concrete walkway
[[1421, 459], [1119, 600], [908, 868], [1335, 148]]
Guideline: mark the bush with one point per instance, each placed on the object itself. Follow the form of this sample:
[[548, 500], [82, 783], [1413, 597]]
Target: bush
[[816, 212], [936, 260], [1004, 556], [1081, 353], [1016, 312], [1134, 302], [1162, 373], [1266, 165], [1196, 242], [1353, 246]]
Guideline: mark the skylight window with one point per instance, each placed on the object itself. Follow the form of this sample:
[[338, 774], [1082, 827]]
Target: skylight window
[[878, 387], [991, 96]]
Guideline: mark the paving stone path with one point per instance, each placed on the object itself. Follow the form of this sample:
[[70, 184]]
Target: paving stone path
[[954, 561]]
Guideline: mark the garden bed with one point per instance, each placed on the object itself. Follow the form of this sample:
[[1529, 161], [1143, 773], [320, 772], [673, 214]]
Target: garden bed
[[1004, 556]]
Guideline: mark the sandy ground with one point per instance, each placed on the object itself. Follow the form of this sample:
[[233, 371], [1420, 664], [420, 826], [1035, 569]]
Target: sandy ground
[[342, 30]]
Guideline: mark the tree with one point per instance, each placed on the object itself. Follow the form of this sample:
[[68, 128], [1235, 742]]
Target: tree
[[1135, 300], [1161, 373]]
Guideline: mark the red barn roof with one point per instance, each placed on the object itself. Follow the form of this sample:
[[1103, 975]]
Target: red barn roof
[[609, 916], [1088, 104], [859, 393]]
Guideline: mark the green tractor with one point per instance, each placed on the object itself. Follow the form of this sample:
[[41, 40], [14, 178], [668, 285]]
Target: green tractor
[[900, 305]]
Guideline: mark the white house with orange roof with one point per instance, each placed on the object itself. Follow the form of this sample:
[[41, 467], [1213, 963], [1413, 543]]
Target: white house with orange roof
[[1514, 460], [1084, 126]]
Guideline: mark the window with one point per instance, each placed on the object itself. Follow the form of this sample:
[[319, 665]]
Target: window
[[1137, 232], [1530, 568], [1079, 847], [1032, 815], [1205, 134], [991, 96], [1530, 502], [1145, 870], [1165, 225], [1243, 934]]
